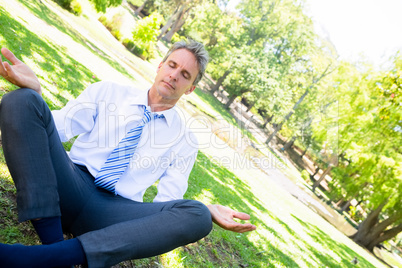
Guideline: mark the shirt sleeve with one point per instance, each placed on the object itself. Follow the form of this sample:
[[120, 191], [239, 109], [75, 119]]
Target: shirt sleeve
[[174, 182], [78, 116]]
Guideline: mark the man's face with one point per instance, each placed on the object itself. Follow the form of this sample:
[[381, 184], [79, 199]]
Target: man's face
[[176, 75]]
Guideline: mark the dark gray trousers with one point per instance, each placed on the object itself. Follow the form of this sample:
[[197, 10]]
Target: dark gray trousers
[[110, 228]]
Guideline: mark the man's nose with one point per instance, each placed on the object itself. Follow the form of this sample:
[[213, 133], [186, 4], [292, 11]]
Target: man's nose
[[174, 74]]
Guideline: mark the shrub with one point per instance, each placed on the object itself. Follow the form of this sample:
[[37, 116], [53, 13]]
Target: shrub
[[116, 21], [117, 34], [76, 7], [102, 19], [71, 5], [145, 35], [113, 25], [128, 43], [66, 4], [305, 175]]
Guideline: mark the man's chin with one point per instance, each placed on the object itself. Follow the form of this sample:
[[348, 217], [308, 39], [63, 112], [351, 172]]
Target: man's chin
[[167, 93]]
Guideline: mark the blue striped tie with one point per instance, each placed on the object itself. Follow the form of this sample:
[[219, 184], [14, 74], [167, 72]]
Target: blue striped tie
[[118, 160]]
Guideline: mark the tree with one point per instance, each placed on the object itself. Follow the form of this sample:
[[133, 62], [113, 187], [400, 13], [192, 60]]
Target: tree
[[372, 231], [222, 33], [101, 5], [178, 18], [315, 80], [140, 8], [230, 46], [370, 133], [322, 177], [249, 73], [287, 38], [385, 132]]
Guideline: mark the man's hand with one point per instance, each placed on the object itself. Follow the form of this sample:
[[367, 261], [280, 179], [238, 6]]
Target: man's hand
[[223, 216], [18, 73]]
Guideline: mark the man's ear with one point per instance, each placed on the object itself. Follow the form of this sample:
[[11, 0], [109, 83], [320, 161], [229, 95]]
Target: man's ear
[[190, 90], [159, 66]]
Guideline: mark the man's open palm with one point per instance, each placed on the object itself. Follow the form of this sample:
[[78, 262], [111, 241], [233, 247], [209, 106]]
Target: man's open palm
[[224, 217], [18, 73]]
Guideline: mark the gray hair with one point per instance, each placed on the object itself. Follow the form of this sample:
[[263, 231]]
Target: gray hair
[[199, 52]]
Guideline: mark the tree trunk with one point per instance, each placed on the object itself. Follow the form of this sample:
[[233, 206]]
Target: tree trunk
[[173, 30], [345, 207], [230, 101], [371, 232], [385, 236], [339, 202], [178, 23], [276, 130], [139, 9], [249, 107], [216, 87], [317, 183], [170, 21], [288, 115], [305, 151], [251, 37], [315, 172], [267, 120], [382, 226], [289, 143]]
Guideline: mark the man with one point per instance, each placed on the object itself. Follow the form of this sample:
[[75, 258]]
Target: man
[[96, 191]]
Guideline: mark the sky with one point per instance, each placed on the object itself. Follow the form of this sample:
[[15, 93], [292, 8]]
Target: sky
[[372, 28]]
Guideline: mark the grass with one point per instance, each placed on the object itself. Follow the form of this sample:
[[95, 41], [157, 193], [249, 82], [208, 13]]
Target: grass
[[289, 234], [10, 231], [51, 63], [49, 16]]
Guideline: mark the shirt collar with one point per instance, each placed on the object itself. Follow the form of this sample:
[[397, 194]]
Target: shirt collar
[[142, 99]]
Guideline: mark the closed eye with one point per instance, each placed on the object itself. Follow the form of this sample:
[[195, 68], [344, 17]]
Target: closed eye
[[186, 75], [184, 72]]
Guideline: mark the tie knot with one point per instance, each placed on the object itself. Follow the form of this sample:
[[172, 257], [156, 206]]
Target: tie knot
[[148, 116]]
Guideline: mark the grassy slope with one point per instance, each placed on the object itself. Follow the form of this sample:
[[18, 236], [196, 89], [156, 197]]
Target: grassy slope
[[288, 235]]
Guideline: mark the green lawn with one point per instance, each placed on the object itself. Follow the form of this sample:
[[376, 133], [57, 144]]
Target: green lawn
[[50, 62], [288, 233]]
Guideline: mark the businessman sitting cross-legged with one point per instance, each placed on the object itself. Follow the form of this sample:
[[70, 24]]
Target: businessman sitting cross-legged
[[128, 139]]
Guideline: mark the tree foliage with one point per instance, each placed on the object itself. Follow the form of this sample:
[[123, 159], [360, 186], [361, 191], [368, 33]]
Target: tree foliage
[[101, 5], [145, 35], [369, 138]]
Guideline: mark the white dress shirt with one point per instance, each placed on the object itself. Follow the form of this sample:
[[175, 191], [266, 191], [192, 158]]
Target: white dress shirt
[[103, 114]]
